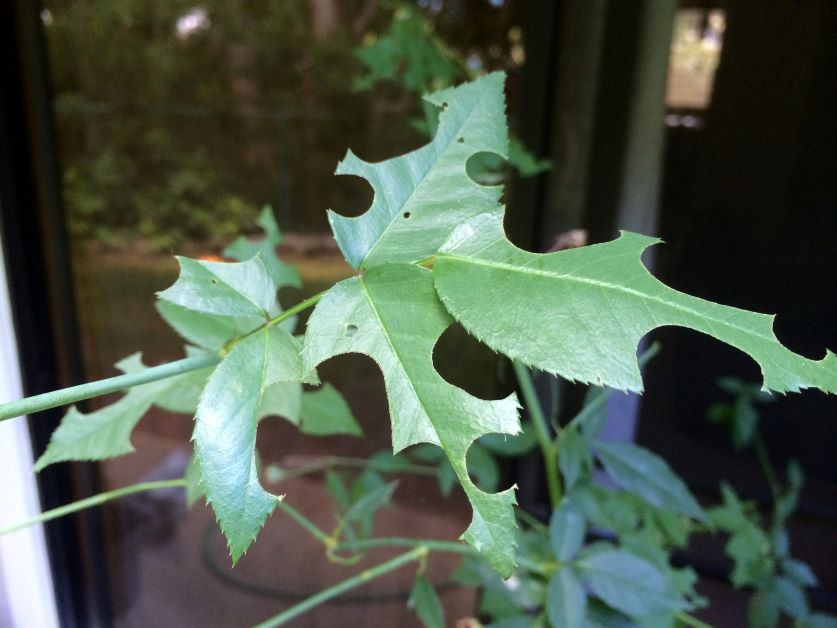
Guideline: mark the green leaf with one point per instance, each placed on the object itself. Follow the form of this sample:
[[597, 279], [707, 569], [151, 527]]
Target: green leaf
[[628, 584], [799, 572], [566, 600], [391, 313], [420, 197], [336, 487], [426, 603], [206, 330], [586, 309], [573, 456], [525, 162], [106, 433], [194, 492], [483, 468], [791, 598], [225, 432], [763, 609], [648, 476], [283, 275], [325, 412], [235, 289], [566, 530], [512, 446], [282, 399], [819, 620]]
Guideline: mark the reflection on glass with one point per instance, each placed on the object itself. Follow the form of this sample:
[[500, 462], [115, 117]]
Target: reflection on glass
[[695, 54]]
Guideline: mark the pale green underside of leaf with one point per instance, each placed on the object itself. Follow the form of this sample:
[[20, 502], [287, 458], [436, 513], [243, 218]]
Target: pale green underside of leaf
[[106, 433], [566, 600], [420, 197], [581, 313], [235, 289], [648, 477], [392, 314], [225, 432]]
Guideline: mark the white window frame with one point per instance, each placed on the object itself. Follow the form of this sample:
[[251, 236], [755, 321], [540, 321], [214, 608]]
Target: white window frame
[[27, 597]]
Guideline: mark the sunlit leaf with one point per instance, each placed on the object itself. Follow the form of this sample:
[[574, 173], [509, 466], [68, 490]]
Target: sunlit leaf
[[581, 313], [234, 289], [225, 432], [389, 313], [422, 196]]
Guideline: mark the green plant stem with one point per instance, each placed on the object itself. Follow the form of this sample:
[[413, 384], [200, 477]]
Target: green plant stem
[[767, 466], [359, 463], [402, 541], [689, 620], [550, 455], [66, 396], [529, 520], [347, 585], [306, 523], [95, 500], [73, 394]]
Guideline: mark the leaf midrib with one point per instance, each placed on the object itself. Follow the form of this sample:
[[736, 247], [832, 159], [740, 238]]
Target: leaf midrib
[[420, 182], [401, 362], [615, 287]]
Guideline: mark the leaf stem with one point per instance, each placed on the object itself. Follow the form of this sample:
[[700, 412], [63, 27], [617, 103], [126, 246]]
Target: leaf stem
[[95, 500], [306, 523], [332, 592], [402, 541], [767, 466], [73, 394], [550, 455], [361, 463]]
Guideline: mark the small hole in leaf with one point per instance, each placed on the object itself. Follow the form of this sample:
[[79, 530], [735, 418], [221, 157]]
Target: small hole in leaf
[[351, 330], [214, 282], [407, 214], [444, 106], [461, 140]]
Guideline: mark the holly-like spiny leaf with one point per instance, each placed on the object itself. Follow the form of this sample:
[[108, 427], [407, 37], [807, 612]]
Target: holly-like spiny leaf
[[225, 432], [420, 197], [392, 314], [106, 433], [581, 313]]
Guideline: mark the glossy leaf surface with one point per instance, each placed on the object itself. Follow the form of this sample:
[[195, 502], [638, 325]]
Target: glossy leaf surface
[[420, 197], [581, 313], [225, 432], [391, 313]]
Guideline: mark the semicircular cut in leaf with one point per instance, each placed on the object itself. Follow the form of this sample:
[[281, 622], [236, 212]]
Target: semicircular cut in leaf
[[391, 313], [223, 288], [420, 197], [581, 313], [225, 432], [106, 433]]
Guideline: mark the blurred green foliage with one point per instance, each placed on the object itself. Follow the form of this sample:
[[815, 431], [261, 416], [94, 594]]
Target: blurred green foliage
[[178, 120]]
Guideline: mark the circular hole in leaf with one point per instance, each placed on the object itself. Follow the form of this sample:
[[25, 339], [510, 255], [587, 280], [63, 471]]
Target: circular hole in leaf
[[351, 330], [214, 282], [485, 168], [407, 214], [461, 140]]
